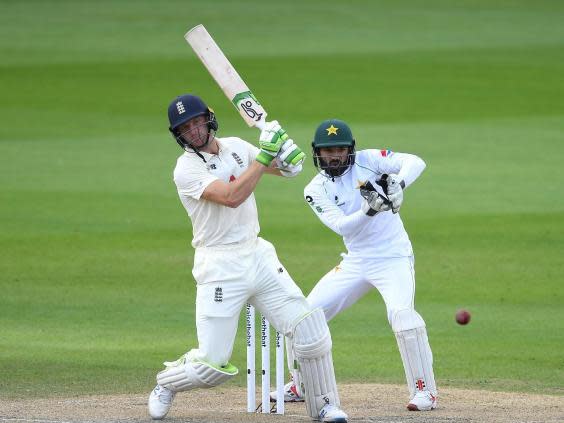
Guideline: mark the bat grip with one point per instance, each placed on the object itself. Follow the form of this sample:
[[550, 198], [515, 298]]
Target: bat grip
[[260, 124]]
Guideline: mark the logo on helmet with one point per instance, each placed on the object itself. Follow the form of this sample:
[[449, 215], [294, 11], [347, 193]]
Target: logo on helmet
[[180, 107], [332, 130]]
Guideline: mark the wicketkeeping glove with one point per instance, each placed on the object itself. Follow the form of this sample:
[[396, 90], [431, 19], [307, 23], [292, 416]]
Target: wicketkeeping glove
[[373, 203], [395, 192]]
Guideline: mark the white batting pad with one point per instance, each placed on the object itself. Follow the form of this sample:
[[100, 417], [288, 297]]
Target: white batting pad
[[415, 351], [189, 373], [312, 349]]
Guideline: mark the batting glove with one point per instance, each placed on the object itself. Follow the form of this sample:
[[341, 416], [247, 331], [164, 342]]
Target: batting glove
[[270, 141], [288, 170]]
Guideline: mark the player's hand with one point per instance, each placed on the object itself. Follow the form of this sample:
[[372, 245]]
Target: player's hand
[[290, 154], [289, 171], [270, 141], [373, 202], [290, 158], [395, 192]]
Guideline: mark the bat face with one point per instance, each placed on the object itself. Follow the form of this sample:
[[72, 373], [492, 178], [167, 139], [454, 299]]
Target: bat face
[[226, 76]]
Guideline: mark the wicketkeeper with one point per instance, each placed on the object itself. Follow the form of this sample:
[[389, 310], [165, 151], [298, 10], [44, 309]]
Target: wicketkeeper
[[358, 195], [215, 179]]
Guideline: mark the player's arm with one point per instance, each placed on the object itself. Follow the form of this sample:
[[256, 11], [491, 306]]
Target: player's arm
[[281, 168], [333, 217], [234, 193], [405, 167]]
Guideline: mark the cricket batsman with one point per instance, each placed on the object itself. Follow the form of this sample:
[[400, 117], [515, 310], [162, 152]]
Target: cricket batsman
[[358, 195], [233, 266]]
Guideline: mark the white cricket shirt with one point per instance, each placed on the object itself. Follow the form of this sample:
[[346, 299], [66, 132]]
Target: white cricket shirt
[[212, 223], [337, 202]]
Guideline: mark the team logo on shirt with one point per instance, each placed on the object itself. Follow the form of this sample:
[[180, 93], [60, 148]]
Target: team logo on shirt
[[385, 153], [218, 297], [212, 166], [342, 203], [238, 159], [310, 201]]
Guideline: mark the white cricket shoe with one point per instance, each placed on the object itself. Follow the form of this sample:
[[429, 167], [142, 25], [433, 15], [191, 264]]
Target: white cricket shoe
[[422, 401], [290, 393], [332, 414], [160, 402]]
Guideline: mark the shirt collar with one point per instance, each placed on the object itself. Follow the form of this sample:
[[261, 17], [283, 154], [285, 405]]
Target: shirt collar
[[222, 148]]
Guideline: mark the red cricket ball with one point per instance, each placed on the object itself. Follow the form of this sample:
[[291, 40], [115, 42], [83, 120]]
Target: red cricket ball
[[462, 317]]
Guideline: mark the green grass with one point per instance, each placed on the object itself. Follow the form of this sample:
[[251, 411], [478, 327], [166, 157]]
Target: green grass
[[96, 260]]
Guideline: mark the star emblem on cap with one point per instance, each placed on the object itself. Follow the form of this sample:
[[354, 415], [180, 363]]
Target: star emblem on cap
[[332, 130]]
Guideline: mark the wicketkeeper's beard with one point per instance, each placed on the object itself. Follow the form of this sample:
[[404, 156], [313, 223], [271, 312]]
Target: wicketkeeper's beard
[[334, 167]]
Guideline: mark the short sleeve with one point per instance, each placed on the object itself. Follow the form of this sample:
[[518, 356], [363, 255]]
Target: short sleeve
[[192, 179]]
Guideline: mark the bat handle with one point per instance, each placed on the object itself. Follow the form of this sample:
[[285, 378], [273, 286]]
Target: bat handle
[[260, 124]]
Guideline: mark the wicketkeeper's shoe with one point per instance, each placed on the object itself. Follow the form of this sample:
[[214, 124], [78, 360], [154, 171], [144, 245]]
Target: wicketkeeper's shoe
[[160, 402], [422, 401], [290, 393], [333, 414]]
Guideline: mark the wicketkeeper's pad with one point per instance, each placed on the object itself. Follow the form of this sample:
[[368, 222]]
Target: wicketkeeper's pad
[[415, 351]]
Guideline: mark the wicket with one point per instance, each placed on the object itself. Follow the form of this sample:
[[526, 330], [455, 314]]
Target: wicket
[[264, 406]]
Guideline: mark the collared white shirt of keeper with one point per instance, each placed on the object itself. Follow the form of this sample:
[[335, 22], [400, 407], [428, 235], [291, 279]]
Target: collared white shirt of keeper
[[379, 255]]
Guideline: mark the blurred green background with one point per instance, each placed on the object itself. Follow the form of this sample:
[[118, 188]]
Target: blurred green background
[[95, 263]]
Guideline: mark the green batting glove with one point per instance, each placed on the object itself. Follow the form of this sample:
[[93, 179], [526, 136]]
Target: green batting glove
[[290, 154], [271, 139], [296, 157]]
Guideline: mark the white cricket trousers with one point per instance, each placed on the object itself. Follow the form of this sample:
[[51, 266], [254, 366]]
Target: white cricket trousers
[[230, 276], [345, 284]]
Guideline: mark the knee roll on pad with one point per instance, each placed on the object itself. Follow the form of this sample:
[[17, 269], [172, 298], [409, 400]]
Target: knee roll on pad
[[312, 338], [189, 373], [406, 319], [312, 349]]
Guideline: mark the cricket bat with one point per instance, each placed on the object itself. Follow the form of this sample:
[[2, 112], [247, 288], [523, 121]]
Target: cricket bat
[[226, 76]]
